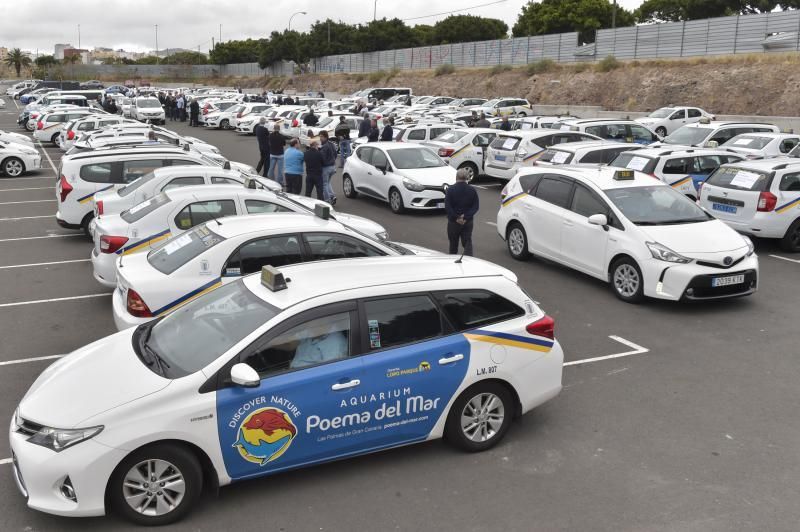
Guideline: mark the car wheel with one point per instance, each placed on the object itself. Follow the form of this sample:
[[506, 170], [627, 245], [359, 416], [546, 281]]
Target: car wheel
[[396, 201], [791, 240], [54, 138], [28, 126], [85, 225], [472, 171], [521, 114], [13, 167], [156, 485], [480, 417], [348, 188], [224, 124], [627, 281], [517, 242], [661, 131]]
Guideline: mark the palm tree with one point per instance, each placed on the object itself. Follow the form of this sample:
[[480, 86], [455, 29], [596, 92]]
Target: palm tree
[[17, 59], [71, 60]]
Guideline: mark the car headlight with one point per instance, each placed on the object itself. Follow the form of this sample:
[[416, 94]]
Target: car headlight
[[664, 253], [412, 185], [751, 248], [383, 235], [59, 439]]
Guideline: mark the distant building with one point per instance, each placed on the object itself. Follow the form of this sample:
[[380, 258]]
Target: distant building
[[59, 51], [3, 53], [83, 54]]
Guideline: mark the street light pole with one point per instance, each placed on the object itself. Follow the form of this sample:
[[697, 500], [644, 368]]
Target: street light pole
[[79, 36], [614, 15], [220, 33], [375, 11], [293, 15], [156, 43]]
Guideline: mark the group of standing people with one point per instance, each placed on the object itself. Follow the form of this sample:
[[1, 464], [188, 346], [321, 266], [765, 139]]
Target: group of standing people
[[175, 107]]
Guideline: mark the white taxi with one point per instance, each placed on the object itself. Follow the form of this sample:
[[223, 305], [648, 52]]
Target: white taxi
[[170, 213], [16, 159], [464, 148], [287, 369], [506, 107], [407, 176], [758, 198], [666, 120], [152, 284], [626, 228]]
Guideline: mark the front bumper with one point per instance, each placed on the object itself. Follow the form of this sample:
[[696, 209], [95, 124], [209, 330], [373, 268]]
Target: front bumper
[[40, 472], [693, 281], [424, 200], [122, 319], [104, 268]]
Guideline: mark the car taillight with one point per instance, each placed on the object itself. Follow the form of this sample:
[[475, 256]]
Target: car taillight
[[238, 115], [39, 125], [136, 305], [295, 123], [545, 326], [766, 201], [64, 188], [70, 135], [652, 174], [446, 152], [99, 205], [205, 111], [110, 244]]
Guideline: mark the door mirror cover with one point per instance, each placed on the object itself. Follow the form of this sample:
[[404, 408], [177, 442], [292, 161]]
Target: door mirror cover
[[244, 375], [598, 219]]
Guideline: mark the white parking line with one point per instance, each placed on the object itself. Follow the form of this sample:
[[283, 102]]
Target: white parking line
[[14, 101], [785, 258], [43, 264], [492, 223], [21, 189], [25, 218], [5, 179], [38, 237], [5, 461], [637, 350], [26, 360], [48, 158], [54, 300], [29, 201]]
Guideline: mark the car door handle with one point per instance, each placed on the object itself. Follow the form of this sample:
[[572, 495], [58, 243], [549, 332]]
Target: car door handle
[[369, 173], [345, 385], [568, 224], [450, 360], [527, 207]]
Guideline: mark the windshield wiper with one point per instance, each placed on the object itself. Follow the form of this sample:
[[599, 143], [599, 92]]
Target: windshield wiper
[[148, 354]]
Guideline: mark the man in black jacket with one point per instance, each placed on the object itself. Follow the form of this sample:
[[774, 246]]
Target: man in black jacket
[[194, 113], [313, 159], [388, 132], [363, 127], [276, 144], [342, 132], [262, 136], [311, 119], [461, 204], [374, 133]]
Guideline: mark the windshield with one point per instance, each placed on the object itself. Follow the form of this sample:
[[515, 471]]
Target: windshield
[[415, 158], [739, 179], [451, 136], [491, 103], [688, 136], [144, 208], [656, 205], [180, 249], [190, 338], [661, 113], [748, 142], [133, 187], [325, 121], [148, 103], [425, 99]]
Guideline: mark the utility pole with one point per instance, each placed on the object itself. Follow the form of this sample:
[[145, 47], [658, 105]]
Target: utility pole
[[329, 31], [375, 11], [156, 43], [614, 15], [79, 36], [220, 33]]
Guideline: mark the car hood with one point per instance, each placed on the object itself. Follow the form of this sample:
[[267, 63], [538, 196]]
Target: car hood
[[362, 225], [708, 237], [94, 379], [419, 250], [430, 176]]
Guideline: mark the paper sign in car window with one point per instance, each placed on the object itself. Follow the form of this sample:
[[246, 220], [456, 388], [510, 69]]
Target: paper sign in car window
[[374, 334], [143, 205], [743, 142], [745, 179], [509, 144], [560, 157], [637, 163], [177, 244]]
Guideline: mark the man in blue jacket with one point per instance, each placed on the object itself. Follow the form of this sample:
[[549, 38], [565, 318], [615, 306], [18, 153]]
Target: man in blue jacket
[[293, 162], [461, 204]]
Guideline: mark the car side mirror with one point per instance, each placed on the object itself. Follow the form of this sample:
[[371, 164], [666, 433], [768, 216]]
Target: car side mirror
[[382, 169], [712, 144], [244, 375], [599, 219]]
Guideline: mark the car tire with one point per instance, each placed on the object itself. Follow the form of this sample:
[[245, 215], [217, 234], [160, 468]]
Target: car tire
[[174, 463], [661, 131], [517, 242], [396, 201], [521, 114], [54, 139], [13, 167], [224, 124], [472, 171], [627, 281], [28, 127], [348, 188], [85, 225], [480, 417], [791, 240]]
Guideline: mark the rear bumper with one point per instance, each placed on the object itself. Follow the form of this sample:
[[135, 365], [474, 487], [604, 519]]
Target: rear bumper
[[104, 269], [66, 225]]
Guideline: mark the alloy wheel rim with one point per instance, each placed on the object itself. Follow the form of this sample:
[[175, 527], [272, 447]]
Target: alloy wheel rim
[[482, 417], [516, 241], [395, 200], [13, 168], [348, 186], [470, 173], [154, 487], [626, 280]]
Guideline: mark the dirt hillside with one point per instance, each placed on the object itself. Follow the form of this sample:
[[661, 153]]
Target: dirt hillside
[[744, 85]]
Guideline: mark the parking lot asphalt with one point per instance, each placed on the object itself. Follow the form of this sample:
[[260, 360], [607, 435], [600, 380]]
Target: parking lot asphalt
[[694, 429]]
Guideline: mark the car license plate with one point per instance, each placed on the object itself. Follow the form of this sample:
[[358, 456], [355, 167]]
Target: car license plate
[[727, 281], [500, 157], [440, 205], [724, 208]]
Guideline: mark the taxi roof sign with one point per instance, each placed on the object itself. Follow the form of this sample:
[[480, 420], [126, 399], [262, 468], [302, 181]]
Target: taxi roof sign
[[322, 211], [624, 175], [272, 279], [250, 182]]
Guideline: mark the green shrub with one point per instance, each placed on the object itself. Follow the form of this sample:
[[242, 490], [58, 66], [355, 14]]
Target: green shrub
[[608, 64], [375, 77], [443, 70], [499, 69], [540, 67], [392, 73]]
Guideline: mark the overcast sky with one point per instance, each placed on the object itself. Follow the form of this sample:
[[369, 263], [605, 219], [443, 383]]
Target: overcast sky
[[130, 24]]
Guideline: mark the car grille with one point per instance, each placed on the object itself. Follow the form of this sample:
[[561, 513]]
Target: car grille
[[702, 289], [719, 264]]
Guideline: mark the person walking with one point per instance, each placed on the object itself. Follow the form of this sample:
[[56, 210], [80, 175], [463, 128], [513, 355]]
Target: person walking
[[388, 133], [363, 127], [342, 132], [262, 136], [194, 113], [461, 204], [374, 133], [313, 160], [276, 144], [293, 160], [328, 152], [483, 122], [505, 125]]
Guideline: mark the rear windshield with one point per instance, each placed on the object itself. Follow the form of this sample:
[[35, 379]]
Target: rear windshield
[[451, 136], [739, 179], [505, 143], [144, 208], [631, 161], [748, 142], [179, 250], [688, 136], [133, 187], [556, 156]]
